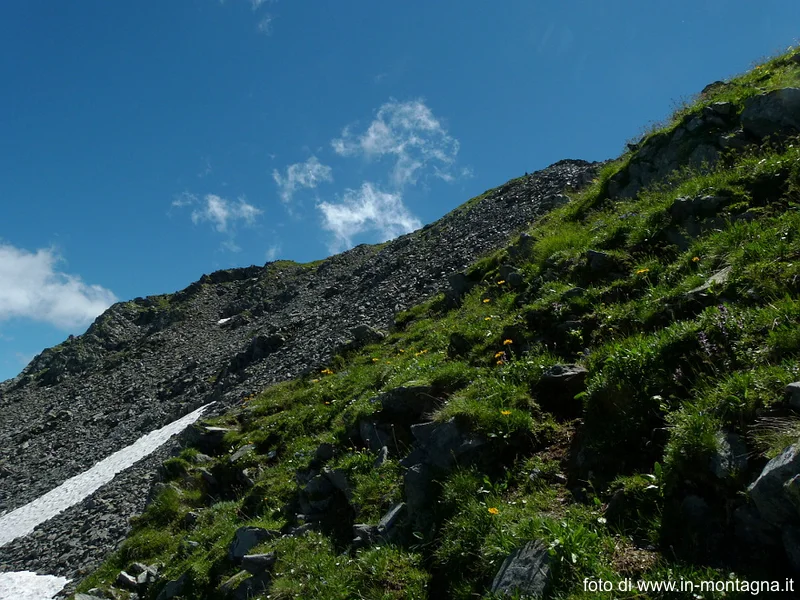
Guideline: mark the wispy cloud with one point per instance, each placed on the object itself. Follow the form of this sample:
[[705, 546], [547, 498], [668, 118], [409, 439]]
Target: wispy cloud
[[272, 252], [265, 24], [408, 133], [301, 175], [33, 287], [367, 209], [221, 213]]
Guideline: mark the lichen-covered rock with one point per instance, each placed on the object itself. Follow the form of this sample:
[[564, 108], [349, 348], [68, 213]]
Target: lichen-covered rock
[[526, 572], [776, 112]]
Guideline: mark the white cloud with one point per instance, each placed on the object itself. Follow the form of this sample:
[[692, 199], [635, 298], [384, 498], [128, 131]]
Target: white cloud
[[410, 134], [273, 252], [366, 210], [221, 213], [265, 25], [31, 286], [301, 175]]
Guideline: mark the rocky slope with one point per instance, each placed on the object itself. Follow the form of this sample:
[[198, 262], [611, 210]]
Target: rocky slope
[[613, 397], [145, 362]]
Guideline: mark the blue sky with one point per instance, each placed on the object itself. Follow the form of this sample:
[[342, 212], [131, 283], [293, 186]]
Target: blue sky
[[145, 143]]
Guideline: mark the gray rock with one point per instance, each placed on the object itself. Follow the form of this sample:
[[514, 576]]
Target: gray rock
[[791, 489], [146, 578], [374, 434], [173, 588], [241, 453], [338, 479], [768, 492], [364, 534], [395, 514], [459, 284], [525, 572], [792, 392], [730, 456], [246, 538], [406, 402], [448, 444], [717, 279], [599, 261], [776, 112], [417, 482], [324, 452], [364, 334], [88, 597], [701, 206], [125, 580], [243, 586], [319, 486], [257, 563]]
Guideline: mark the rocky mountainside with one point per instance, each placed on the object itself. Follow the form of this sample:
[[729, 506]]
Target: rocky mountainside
[[145, 362]]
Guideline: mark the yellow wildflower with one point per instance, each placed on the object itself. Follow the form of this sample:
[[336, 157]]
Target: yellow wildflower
[[493, 511], [375, 360], [487, 318], [507, 342], [400, 350], [499, 362], [696, 259], [501, 282], [499, 354], [640, 271], [505, 412], [486, 300]]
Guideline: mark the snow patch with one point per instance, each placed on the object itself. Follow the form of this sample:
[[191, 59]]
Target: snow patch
[[24, 585], [23, 520]]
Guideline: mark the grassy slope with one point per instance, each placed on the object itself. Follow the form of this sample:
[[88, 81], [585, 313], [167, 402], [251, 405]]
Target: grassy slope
[[666, 373]]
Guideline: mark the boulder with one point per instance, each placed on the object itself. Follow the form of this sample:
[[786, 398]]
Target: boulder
[[173, 588], [776, 112], [246, 538], [717, 279], [241, 453], [243, 586], [446, 444], [768, 492], [364, 334], [125, 580], [730, 456], [257, 563], [375, 435], [526, 572], [406, 403]]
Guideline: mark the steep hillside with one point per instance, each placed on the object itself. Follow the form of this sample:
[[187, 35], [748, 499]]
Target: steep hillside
[[145, 362], [608, 397]]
